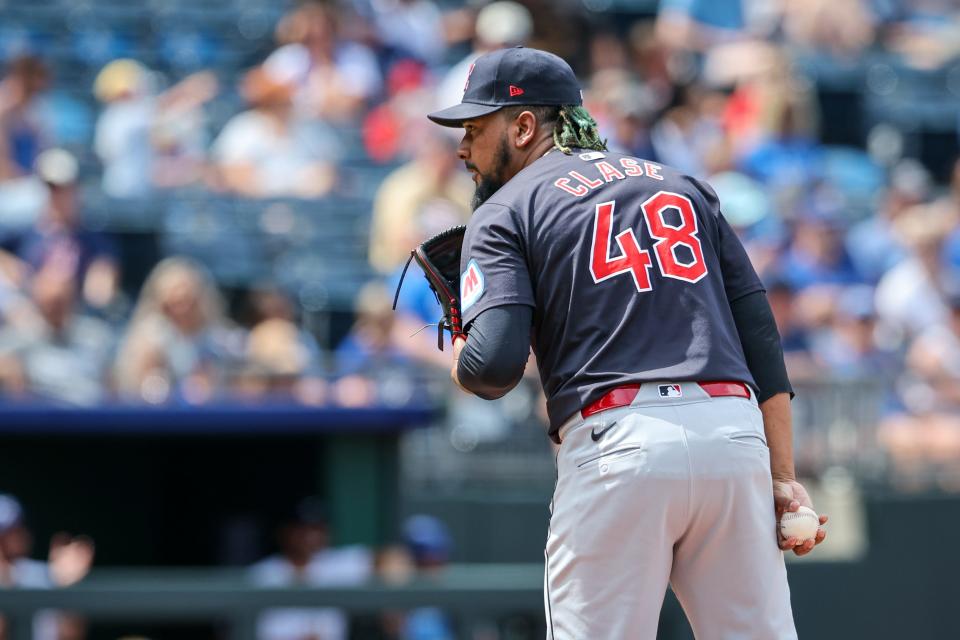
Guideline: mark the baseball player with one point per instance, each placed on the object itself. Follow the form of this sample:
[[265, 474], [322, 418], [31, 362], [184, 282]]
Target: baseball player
[[665, 383]]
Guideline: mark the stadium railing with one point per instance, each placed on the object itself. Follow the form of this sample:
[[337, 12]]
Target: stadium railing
[[466, 592]]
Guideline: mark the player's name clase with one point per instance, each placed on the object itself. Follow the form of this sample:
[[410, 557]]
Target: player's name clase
[[578, 184]]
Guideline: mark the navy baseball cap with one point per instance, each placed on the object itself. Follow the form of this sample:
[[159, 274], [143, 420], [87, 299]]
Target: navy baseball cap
[[427, 537], [512, 76]]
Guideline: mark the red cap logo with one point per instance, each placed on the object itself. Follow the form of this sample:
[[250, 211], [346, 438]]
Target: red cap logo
[[515, 91], [469, 73]]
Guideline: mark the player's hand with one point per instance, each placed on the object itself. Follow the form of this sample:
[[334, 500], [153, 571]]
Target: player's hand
[[789, 495], [70, 558]]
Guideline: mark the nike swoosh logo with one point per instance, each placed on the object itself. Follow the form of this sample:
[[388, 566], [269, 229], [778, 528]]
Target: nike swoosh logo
[[596, 435]]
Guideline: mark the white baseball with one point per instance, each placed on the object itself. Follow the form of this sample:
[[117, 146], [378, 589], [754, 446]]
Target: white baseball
[[801, 524]]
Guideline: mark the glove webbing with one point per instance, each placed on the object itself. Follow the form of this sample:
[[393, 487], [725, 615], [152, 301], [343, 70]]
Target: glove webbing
[[403, 274], [456, 328]]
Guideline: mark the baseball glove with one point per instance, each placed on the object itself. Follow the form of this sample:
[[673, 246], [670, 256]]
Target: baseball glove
[[439, 257]]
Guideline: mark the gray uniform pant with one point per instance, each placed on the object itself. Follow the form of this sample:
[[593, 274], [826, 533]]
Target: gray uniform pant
[[668, 490]]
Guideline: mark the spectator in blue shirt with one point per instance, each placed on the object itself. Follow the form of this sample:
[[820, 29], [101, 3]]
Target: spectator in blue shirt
[[816, 254]]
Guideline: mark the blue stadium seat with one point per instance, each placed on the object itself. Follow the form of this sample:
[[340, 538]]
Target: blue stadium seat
[[312, 273], [188, 49], [104, 213], [913, 99], [363, 179], [16, 39], [98, 45], [38, 15], [203, 229], [72, 117]]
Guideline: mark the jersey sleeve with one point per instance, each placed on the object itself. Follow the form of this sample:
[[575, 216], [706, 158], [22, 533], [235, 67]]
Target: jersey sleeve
[[739, 276], [493, 264]]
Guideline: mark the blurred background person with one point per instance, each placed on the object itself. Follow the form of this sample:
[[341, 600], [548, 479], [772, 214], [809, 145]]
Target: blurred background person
[[816, 255], [23, 131], [625, 111], [281, 361], [429, 192], [69, 558], [367, 348], [430, 545], [370, 368], [59, 240], [934, 359], [842, 29], [69, 561], [334, 76], [873, 243], [63, 357], [306, 558], [498, 25], [279, 366], [424, 555], [387, 127], [690, 127], [923, 438], [848, 347], [178, 342], [147, 139], [410, 28], [909, 295], [271, 151]]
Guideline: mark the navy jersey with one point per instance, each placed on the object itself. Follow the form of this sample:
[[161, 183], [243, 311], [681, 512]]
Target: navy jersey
[[630, 269]]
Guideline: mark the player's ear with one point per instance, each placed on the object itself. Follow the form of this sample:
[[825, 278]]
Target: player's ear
[[524, 127]]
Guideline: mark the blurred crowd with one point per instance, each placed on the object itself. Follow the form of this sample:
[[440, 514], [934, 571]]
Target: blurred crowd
[[858, 243], [852, 222]]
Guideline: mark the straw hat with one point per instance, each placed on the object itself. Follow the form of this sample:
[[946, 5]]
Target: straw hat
[[120, 78]]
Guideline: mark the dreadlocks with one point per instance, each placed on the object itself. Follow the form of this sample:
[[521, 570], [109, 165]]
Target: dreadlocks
[[573, 126]]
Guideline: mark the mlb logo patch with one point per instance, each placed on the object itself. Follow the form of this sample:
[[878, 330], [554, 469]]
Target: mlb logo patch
[[471, 285], [591, 155], [670, 391]]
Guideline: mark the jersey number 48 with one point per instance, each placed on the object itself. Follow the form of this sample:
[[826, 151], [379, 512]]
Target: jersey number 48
[[636, 261]]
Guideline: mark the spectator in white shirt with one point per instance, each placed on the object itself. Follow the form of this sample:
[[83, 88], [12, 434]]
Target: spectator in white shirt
[[909, 296], [147, 139], [269, 151]]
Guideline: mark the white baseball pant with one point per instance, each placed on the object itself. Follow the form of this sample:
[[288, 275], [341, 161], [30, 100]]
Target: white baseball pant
[[667, 490]]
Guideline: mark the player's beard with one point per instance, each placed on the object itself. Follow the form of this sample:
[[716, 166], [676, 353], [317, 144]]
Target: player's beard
[[490, 184]]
